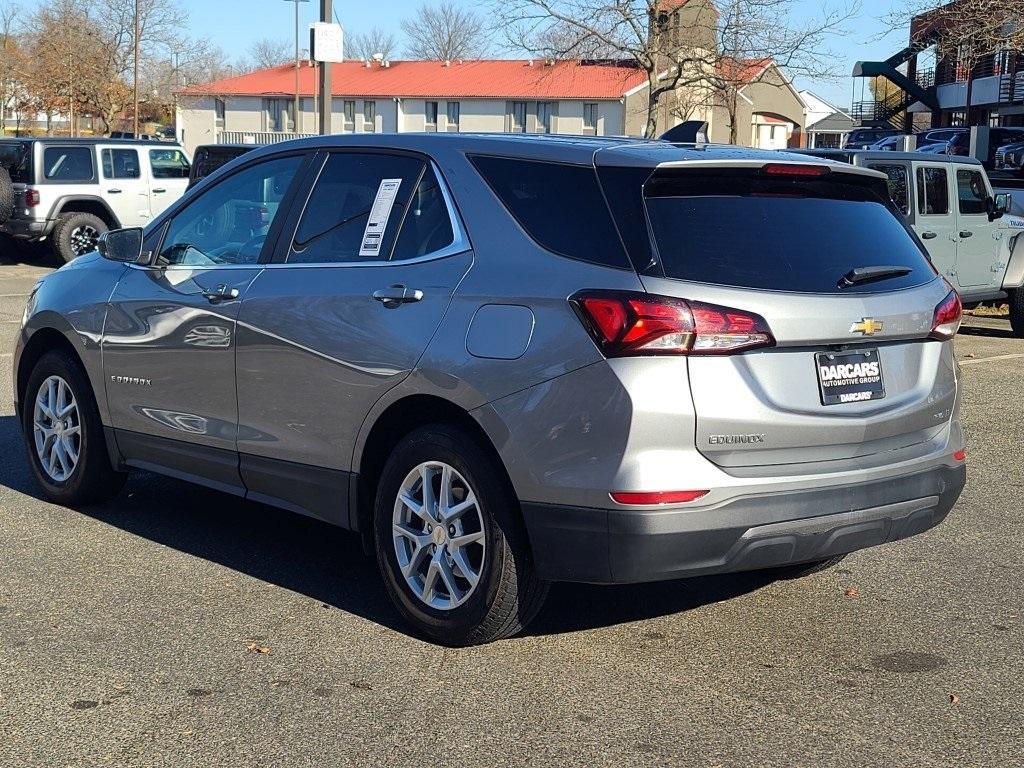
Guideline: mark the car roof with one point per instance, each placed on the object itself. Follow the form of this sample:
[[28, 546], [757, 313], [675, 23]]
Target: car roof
[[88, 140], [846, 155], [581, 150]]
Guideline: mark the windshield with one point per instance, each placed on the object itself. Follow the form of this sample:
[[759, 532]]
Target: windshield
[[785, 235]]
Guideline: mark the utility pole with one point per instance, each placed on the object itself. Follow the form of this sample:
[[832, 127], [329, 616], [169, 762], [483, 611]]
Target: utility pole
[[298, 52], [135, 79], [326, 13]]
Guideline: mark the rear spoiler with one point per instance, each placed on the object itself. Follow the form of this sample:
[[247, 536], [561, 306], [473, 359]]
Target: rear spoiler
[[690, 132]]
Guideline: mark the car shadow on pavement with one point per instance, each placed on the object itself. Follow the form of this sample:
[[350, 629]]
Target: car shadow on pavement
[[992, 333], [27, 254], [328, 564]]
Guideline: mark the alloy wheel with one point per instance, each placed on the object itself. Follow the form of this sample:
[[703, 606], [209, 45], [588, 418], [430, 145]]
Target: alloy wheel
[[438, 534], [57, 429], [84, 239]]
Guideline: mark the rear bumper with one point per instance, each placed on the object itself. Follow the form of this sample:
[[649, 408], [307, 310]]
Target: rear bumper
[[26, 229], [749, 533]]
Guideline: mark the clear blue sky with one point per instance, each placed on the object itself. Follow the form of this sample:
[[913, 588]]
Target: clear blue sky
[[234, 24]]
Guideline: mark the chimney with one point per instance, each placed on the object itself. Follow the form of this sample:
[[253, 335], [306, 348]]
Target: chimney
[[367, 64], [385, 63], [447, 62], [529, 62]]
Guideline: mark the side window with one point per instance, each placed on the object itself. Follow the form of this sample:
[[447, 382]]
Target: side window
[[560, 206], [971, 191], [169, 164], [228, 223], [337, 225], [68, 163], [120, 164], [427, 227], [898, 185], [932, 192]]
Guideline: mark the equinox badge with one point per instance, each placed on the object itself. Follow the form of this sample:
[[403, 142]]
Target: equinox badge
[[868, 326]]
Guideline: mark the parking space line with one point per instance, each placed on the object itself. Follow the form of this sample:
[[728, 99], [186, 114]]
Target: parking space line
[[973, 360], [12, 295]]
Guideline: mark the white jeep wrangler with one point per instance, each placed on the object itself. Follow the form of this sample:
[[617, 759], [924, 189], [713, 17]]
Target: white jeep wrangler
[[69, 191]]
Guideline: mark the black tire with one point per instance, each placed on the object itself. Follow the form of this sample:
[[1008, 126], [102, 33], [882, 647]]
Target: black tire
[[6, 195], [799, 570], [93, 480], [68, 227], [508, 594], [1016, 302]]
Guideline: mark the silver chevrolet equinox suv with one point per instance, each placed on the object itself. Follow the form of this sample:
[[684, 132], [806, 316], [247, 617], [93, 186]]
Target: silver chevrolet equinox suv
[[506, 361]]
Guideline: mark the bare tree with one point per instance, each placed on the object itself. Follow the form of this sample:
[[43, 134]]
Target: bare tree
[[681, 45], [9, 58], [266, 53], [369, 44], [444, 32]]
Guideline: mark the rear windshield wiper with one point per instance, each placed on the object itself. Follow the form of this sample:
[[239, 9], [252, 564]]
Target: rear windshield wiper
[[859, 275]]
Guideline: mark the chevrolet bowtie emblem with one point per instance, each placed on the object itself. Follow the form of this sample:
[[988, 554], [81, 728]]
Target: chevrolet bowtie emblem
[[868, 326]]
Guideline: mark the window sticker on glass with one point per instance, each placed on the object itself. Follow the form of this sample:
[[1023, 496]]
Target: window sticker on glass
[[377, 224]]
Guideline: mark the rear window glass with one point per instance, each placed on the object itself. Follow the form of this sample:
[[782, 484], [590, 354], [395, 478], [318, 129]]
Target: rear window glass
[[16, 157], [783, 235], [560, 206], [68, 163]]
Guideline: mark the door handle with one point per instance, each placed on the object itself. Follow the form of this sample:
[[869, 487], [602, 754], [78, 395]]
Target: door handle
[[159, 191], [114, 191], [965, 233], [397, 295], [220, 293], [928, 235]]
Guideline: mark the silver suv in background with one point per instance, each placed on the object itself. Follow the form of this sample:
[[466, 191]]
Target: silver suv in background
[[506, 361], [68, 192]]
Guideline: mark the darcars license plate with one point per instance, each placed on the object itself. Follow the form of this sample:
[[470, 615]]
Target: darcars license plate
[[849, 377]]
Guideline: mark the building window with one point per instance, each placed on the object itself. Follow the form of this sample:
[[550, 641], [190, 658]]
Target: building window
[[453, 116], [278, 114], [430, 115], [590, 118], [517, 117], [348, 117], [369, 116], [546, 112], [218, 113]]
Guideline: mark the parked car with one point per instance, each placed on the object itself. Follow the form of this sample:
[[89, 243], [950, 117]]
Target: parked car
[[961, 144], [209, 157], [859, 138], [936, 136], [949, 202], [507, 361], [888, 144], [1010, 157], [131, 135], [68, 192], [938, 148]]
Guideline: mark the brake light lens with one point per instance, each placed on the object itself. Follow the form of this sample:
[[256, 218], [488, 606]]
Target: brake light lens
[[656, 497], [948, 315], [794, 169], [625, 324], [31, 198], [960, 455]]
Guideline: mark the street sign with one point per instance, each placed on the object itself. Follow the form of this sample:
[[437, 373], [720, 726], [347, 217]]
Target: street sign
[[326, 42]]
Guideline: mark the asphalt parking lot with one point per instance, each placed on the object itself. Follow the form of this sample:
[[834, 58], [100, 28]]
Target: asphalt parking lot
[[181, 627]]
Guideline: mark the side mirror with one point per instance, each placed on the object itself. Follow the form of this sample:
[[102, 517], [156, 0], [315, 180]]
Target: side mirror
[[124, 245], [999, 204]]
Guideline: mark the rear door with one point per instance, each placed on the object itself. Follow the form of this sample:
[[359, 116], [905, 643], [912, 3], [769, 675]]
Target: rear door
[[124, 187], [979, 240], [783, 248], [169, 169], [935, 222], [357, 289]]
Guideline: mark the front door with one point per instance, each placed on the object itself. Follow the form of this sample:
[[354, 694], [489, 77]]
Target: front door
[[168, 176], [343, 315], [124, 187], [169, 338], [977, 249], [935, 222]]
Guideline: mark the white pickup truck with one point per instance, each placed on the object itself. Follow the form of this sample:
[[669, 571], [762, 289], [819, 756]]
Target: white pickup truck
[[950, 204]]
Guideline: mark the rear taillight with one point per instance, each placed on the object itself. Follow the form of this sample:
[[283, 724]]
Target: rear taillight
[[31, 198], [947, 317], [625, 324]]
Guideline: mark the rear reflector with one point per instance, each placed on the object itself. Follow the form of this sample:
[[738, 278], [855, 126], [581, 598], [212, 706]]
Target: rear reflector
[[624, 324], [947, 317], [960, 455], [794, 169], [656, 497]]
